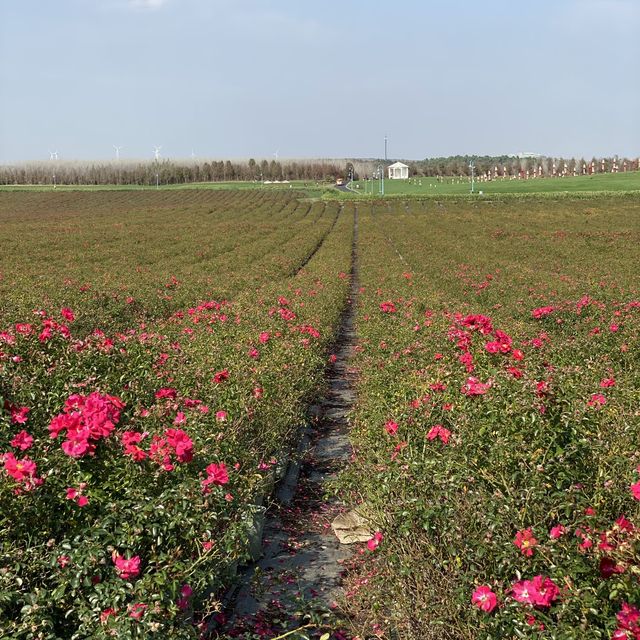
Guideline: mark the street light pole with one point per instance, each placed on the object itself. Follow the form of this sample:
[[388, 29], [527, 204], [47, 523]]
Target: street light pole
[[54, 159]]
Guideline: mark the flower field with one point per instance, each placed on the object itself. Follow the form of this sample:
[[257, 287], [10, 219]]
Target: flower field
[[159, 351], [498, 423], [157, 355]]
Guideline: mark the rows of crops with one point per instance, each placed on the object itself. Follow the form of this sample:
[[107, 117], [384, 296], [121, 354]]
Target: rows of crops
[[137, 254], [498, 423], [158, 351], [147, 346]]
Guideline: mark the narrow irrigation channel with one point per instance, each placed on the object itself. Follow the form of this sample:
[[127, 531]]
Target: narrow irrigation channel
[[302, 559]]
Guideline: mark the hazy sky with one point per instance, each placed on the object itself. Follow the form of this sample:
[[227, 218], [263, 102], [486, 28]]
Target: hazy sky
[[241, 78]]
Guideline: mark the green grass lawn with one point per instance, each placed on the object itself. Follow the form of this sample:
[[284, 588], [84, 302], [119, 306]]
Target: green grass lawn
[[229, 184], [629, 181], [306, 188]]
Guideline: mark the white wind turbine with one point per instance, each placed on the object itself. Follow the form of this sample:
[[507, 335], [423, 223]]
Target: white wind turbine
[[157, 152], [275, 155]]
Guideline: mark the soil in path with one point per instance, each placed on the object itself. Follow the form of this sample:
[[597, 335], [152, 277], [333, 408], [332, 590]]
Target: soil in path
[[302, 560]]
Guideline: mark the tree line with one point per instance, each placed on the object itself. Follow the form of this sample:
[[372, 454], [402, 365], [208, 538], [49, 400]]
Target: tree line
[[166, 172], [513, 166], [183, 172]]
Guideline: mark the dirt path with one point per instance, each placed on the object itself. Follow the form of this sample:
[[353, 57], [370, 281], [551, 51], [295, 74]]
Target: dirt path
[[301, 565]]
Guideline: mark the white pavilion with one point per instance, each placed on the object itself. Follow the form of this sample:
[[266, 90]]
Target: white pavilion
[[398, 171]]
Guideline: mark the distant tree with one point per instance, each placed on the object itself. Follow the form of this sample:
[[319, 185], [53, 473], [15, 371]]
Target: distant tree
[[253, 170], [275, 169], [264, 168]]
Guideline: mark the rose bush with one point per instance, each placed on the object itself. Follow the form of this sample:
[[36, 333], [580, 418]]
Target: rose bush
[[135, 453], [507, 488]]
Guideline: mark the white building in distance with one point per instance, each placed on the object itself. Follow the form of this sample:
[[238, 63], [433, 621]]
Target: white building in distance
[[398, 171]]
